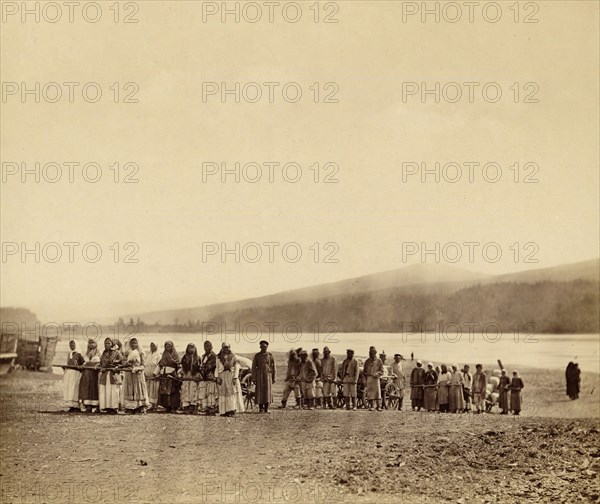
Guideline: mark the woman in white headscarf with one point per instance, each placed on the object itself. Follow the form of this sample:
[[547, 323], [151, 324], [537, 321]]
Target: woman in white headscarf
[[135, 393], [228, 384], [72, 377], [152, 361]]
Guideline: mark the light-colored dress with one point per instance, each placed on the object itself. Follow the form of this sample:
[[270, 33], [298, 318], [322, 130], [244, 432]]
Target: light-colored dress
[[443, 388], [71, 379], [152, 385], [135, 392], [109, 381], [230, 392], [456, 398]]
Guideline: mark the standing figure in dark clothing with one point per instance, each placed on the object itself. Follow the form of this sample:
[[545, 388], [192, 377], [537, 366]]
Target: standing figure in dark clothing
[[516, 385], [263, 375], [168, 384], [573, 375], [417, 378], [207, 390]]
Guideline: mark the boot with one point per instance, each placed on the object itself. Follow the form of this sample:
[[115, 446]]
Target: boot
[[354, 404], [378, 402], [311, 404], [298, 403], [283, 403], [400, 404], [347, 401]]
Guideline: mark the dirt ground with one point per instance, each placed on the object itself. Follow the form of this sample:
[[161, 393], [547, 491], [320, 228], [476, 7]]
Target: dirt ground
[[294, 456]]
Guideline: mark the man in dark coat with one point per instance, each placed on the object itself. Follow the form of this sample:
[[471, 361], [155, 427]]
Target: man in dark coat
[[263, 375], [417, 379]]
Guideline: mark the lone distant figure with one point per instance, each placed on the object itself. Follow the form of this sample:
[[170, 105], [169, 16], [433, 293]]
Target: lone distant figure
[[573, 375], [263, 375]]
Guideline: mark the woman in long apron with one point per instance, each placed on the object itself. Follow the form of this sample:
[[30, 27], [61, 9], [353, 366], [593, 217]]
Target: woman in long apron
[[151, 364], [72, 377], [109, 379], [228, 383], [88, 386], [168, 384], [190, 369], [135, 393]]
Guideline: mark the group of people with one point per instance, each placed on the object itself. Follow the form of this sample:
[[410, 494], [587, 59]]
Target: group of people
[[457, 391], [135, 382]]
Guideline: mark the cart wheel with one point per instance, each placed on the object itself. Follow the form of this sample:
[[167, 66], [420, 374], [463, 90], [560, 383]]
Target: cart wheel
[[391, 396], [248, 389], [249, 401]]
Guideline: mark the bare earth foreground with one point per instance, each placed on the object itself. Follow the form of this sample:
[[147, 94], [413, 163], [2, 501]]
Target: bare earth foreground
[[300, 456]]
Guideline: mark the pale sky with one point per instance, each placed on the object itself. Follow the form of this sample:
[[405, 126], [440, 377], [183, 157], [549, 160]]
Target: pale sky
[[369, 214]]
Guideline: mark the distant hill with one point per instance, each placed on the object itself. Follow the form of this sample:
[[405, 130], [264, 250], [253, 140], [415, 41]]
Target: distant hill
[[559, 299], [15, 319]]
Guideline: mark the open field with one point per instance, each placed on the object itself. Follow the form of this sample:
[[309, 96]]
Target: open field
[[550, 454]]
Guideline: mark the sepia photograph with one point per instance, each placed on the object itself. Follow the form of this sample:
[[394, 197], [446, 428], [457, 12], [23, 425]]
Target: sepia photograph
[[307, 252]]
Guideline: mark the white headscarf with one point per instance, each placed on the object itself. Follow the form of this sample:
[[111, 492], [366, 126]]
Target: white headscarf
[[77, 349]]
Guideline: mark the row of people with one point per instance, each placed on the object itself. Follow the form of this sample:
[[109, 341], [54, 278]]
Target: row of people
[[314, 382], [440, 389], [131, 380], [211, 382]]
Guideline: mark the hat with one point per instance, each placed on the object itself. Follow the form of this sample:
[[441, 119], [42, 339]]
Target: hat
[[315, 349], [349, 350], [225, 345], [398, 355], [372, 349], [326, 349], [382, 352], [430, 364], [263, 342], [303, 352]]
